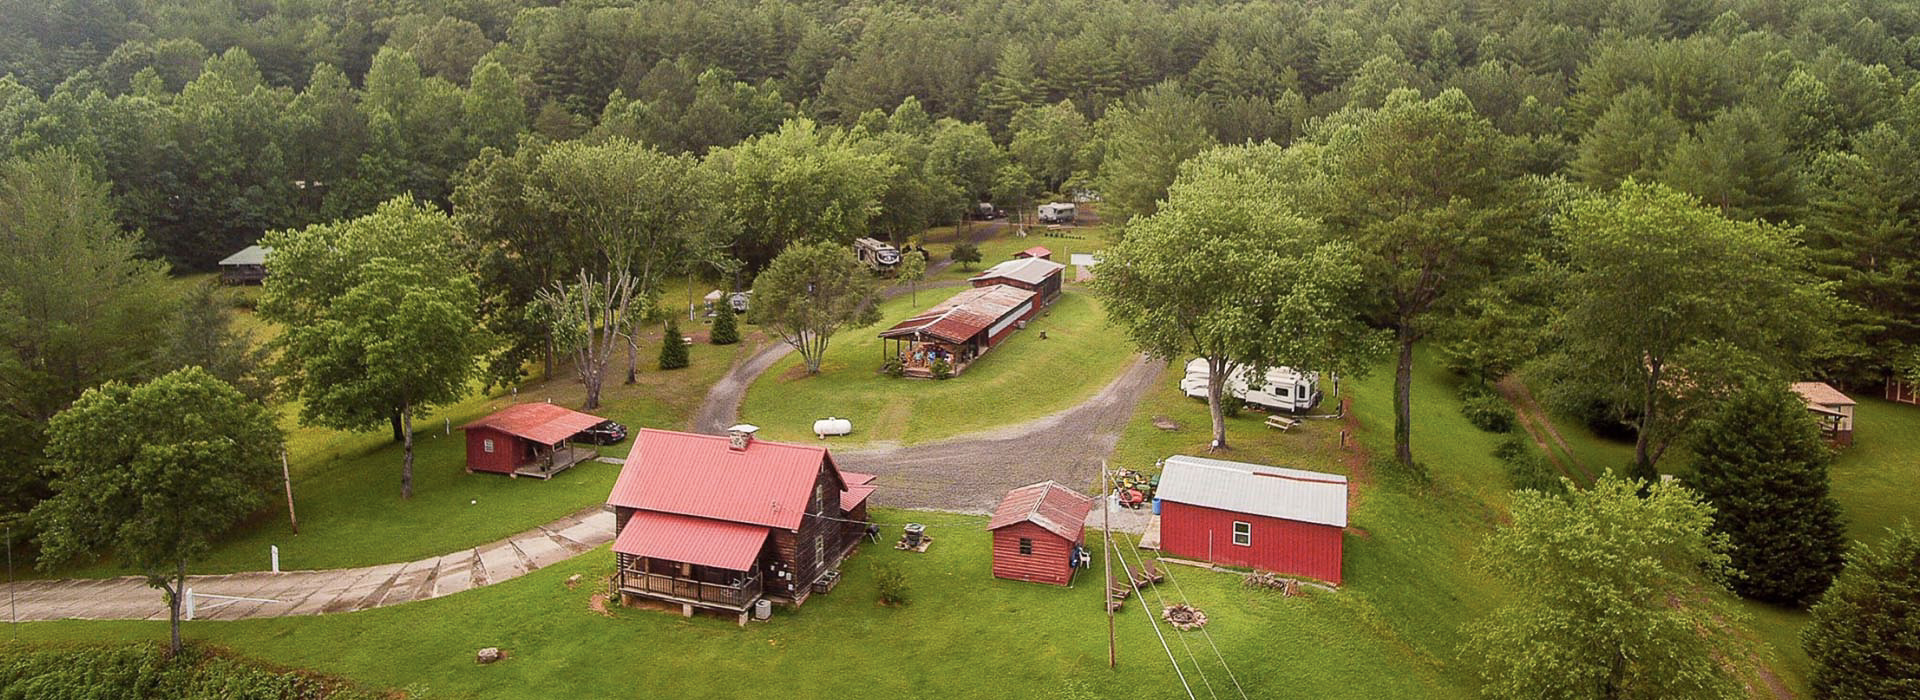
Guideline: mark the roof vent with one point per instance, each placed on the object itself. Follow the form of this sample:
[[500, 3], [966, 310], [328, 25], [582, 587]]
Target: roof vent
[[739, 436]]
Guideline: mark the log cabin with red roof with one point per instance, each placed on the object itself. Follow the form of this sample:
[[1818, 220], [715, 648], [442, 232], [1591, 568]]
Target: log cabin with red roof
[[1038, 533], [528, 439], [716, 522]]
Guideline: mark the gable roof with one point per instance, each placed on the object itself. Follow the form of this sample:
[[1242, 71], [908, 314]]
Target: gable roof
[[1821, 393], [540, 422], [1026, 270], [250, 255], [769, 483], [716, 543], [1055, 508], [1275, 492], [1038, 251], [964, 315]]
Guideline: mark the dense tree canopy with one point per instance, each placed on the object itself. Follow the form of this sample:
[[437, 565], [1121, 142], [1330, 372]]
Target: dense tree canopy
[[1865, 636]]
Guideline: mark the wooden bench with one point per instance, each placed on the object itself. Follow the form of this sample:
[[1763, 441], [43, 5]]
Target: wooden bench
[[1282, 422]]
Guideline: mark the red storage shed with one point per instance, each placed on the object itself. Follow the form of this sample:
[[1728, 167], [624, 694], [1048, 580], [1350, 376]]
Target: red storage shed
[[1038, 251], [527, 439], [1286, 521], [1035, 532]]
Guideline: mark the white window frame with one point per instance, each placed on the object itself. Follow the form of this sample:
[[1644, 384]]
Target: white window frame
[[1242, 533], [486, 445]]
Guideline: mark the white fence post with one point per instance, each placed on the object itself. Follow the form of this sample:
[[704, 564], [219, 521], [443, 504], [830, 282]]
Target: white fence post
[[275, 550], [189, 614]]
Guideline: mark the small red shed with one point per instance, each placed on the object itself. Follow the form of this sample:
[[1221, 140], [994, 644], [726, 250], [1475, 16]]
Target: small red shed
[[1038, 251], [528, 439], [1286, 521], [1036, 531]]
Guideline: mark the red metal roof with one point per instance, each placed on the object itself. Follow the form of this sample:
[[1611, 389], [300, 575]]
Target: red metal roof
[[1058, 509], [1038, 251], [856, 478], [855, 495], [716, 543], [1023, 270], [769, 483], [964, 315], [540, 422]]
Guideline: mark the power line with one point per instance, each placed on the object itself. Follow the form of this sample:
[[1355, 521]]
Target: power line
[[1208, 635], [1183, 637], [1156, 629]]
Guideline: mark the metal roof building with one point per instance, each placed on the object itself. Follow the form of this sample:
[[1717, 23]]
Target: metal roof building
[[1037, 274], [959, 329], [527, 439], [1251, 515], [1037, 530]]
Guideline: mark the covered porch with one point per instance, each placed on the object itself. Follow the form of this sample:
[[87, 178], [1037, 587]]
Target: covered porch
[[694, 562], [917, 353], [553, 460]]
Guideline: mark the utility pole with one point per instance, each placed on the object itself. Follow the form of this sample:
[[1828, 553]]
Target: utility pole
[[13, 611], [286, 475], [1106, 558]]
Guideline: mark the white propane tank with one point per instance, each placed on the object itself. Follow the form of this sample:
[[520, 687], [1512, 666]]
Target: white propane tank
[[832, 426]]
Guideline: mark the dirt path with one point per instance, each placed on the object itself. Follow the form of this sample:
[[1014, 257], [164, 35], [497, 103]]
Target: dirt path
[[1533, 418], [323, 591]]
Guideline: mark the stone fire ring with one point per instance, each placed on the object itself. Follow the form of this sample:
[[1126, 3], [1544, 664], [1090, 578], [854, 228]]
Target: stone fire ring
[[1185, 617]]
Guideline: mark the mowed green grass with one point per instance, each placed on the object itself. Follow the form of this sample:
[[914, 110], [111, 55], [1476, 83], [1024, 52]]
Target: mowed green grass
[[347, 484], [1023, 378], [1006, 242], [964, 634]]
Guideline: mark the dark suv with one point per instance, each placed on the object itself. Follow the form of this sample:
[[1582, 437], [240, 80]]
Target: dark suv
[[606, 433]]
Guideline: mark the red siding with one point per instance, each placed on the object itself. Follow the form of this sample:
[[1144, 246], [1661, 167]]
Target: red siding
[[1281, 546], [1050, 562], [504, 457]]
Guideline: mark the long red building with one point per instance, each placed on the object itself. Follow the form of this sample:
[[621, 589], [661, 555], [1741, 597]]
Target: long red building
[[1038, 531], [1286, 521]]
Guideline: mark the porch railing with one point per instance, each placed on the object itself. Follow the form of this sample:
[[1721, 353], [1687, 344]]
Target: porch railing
[[737, 597]]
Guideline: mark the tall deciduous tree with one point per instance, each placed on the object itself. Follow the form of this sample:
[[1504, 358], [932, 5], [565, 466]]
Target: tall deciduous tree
[[1145, 139], [1762, 464], [1420, 187], [913, 269], [77, 306], [1667, 304], [1607, 598], [810, 292], [1865, 636], [588, 318], [1226, 270], [380, 319], [801, 183], [154, 473]]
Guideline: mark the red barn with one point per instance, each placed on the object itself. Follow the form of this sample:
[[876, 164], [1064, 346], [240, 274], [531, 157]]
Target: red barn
[[1037, 275], [528, 439], [1286, 521], [1038, 251], [1036, 532]]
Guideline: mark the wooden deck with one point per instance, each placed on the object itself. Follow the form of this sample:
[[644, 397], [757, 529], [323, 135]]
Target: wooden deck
[[562, 460], [690, 592]]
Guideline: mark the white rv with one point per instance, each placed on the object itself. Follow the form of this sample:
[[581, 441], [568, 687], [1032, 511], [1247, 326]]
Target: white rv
[[879, 256], [1283, 389], [1057, 213]]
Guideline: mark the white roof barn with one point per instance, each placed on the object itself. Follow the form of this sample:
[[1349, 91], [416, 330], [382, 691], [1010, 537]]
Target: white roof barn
[[1277, 492]]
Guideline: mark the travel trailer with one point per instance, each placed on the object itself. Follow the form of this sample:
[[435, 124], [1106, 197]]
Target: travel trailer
[[1284, 389]]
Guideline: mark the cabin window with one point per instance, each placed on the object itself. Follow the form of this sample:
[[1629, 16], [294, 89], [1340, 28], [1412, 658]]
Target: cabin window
[[1242, 533], [819, 552], [1026, 546], [486, 445], [820, 496]]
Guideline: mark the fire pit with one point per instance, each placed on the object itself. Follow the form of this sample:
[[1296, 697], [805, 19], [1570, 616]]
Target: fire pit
[[1185, 617]]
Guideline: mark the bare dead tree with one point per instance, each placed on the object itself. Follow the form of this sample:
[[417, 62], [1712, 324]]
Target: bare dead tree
[[591, 318]]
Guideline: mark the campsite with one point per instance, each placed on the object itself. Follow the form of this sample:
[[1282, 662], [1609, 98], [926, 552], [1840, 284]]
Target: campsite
[[1056, 350]]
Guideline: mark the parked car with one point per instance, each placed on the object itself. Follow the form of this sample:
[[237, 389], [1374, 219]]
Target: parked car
[[605, 433]]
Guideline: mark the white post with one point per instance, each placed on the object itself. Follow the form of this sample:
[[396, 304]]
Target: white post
[[275, 550], [189, 612]]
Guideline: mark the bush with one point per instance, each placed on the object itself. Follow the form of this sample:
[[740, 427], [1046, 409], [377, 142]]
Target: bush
[[1527, 469], [891, 581], [143, 670], [726, 328], [1485, 409], [942, 369], [966, 254], [673, 347], [893, 368]]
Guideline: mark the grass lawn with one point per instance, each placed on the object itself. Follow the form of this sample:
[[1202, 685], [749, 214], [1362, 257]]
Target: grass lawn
[[1023, 378], [347, 485], [964, 634], [1005, 243]]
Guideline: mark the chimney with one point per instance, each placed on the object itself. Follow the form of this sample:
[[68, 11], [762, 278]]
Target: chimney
[[740, 436]]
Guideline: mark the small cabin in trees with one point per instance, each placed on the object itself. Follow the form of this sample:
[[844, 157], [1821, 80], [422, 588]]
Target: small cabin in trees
[[1834, 410], [717, 522], [1902, 391], [1039, 532], [528, 439], [1287, 521], [249, 266], [1038, 275]]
